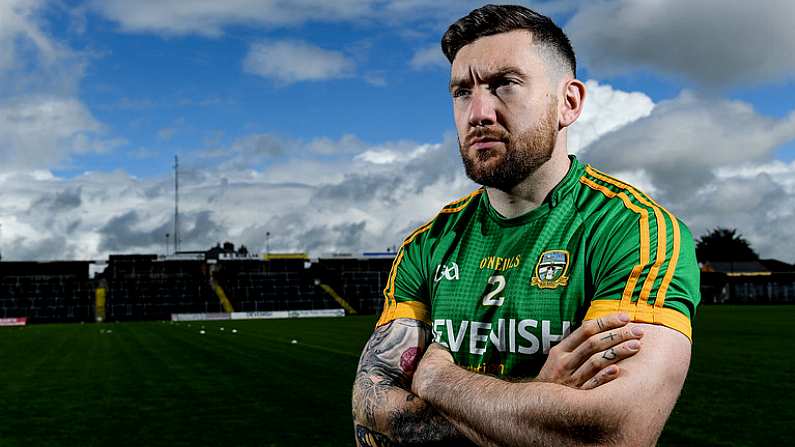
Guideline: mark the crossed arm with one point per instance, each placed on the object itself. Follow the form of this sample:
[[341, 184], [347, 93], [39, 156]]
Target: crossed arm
[[386, 413], [630, 410]]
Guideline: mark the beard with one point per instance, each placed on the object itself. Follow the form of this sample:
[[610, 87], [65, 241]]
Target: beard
[[524, 154]]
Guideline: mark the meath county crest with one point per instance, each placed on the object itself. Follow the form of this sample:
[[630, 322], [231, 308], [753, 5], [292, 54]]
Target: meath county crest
[[551, 270]]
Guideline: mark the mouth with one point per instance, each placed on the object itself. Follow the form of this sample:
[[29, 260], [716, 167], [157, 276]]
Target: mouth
[[485, 140], [479, 144], [484, 145]]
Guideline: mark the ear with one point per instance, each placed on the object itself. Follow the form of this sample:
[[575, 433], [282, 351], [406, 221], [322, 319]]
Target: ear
[[573, 98]]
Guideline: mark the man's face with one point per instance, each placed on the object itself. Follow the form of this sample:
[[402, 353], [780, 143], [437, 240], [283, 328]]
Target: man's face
[[505, 109]]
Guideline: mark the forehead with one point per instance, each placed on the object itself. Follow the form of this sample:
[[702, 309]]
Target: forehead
[[492, 53]]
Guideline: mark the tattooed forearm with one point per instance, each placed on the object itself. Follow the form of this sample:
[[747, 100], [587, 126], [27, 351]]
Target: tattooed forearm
[[382, 402], [381, 370]]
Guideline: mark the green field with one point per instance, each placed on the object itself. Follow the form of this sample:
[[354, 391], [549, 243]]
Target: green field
[[163, 384]]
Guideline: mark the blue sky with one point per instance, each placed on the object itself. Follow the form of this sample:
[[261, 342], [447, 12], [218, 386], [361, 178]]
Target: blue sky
[[330, 126]]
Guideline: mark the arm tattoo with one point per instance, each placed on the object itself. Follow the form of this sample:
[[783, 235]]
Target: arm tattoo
[[610, 354], [379, 367], [381, 397]]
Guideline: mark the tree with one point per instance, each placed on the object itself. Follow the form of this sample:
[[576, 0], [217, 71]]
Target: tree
[[724, 244]]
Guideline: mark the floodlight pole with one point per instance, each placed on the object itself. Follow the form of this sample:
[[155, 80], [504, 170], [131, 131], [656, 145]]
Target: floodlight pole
[[176, 204]]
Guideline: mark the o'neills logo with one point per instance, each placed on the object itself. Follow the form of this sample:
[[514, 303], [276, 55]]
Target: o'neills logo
[[500, 264]]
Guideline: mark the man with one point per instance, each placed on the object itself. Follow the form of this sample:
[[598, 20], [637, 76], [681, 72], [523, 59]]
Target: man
[[500, 278]]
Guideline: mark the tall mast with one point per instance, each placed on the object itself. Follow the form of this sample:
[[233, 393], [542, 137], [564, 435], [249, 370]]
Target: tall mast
[[176, 204]]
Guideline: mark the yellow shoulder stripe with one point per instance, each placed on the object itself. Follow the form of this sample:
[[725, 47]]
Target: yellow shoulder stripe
[[643, 299], [626, 297], [642, 311], [392, 309], [661, 240]]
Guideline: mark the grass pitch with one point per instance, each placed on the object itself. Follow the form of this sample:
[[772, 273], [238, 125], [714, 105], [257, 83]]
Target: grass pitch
[[163, 384]]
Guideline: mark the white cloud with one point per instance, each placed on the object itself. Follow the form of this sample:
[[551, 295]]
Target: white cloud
[[42, 132], [290, 61], [684, 139], [31, 60], [429, 57], [19, 32], [209, 17], [606, 109], [347, 144], [761, 207], [42, 123], [346, 204], [714, 42], [393, 153]]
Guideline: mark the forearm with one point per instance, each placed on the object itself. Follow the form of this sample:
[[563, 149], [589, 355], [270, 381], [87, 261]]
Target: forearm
[[385, 412], [494, 412], [386, 415]]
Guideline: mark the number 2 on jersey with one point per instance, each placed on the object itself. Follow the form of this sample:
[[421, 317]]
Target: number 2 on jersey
[[492, 298]]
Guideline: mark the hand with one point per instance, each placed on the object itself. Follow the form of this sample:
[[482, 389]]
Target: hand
[[586, 358], [436, 358]]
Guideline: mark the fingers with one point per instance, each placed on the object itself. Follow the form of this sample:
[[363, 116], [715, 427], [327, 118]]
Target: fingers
[[603, 341], [601, 378], [590, 328], [601, 360]]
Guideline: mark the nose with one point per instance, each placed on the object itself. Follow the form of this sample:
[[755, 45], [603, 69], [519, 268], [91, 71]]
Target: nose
[[482, 111]]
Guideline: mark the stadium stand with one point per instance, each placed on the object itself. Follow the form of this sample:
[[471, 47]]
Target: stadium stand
[[151, 287], [144, 287], [280, 282], [46, 292], [359, 280]]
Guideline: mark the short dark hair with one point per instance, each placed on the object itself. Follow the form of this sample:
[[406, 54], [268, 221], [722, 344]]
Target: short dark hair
[[498, 19]]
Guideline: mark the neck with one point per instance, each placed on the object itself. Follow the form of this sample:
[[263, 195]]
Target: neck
[[531, 192]]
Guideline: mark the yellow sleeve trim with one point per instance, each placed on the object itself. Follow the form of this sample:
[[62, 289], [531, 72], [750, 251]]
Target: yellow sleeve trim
[[634, 275], [407, 309], [665, 316]]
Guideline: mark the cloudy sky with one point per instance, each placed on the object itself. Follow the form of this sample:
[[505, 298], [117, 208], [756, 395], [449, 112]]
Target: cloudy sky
[[329, 125]]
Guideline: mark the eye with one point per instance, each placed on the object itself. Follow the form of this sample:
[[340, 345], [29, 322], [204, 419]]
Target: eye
[[502, 84], [460, 93]]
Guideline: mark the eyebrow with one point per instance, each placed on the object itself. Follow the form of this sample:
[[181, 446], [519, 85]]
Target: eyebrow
[[501, 72]]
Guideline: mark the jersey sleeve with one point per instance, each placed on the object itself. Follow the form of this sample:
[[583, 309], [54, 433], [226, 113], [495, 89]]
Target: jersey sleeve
[[406, 294], [647, 267]]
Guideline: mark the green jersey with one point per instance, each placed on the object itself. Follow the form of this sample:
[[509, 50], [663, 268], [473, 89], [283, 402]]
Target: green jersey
[[500, 292]]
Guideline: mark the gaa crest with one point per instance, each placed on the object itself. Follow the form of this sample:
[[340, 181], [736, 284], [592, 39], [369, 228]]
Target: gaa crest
[[551, 270]]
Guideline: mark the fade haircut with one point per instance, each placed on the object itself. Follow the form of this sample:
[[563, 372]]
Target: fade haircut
[[497, 19]]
